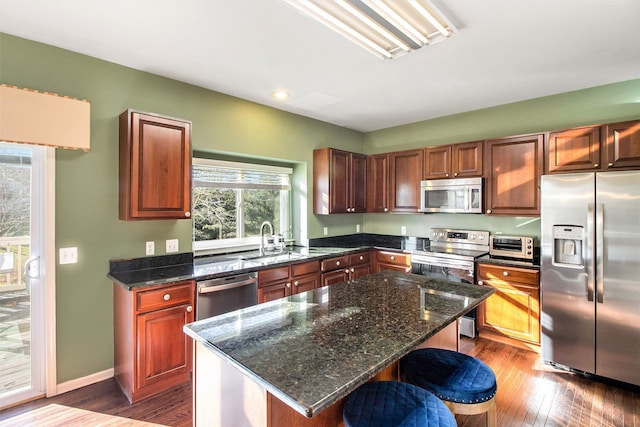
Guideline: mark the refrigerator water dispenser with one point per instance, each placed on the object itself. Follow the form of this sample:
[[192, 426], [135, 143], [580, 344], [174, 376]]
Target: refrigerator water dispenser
[[567, 246]]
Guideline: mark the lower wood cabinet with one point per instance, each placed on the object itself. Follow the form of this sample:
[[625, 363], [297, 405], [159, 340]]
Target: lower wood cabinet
[[513, 312], [390, 260], [280, 282], [151, 352], [346, 267]]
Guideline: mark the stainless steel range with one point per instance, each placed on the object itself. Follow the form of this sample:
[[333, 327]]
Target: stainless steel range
[[450, 255]]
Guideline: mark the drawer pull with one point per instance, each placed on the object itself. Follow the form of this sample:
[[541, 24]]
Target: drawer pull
[[337, 262], [346, 270], [505, 273], [480, 282], [189, 309], [361, 257], [288, 285], [187, 214], [353, 270], [166, 297], [295, 283], [392, 258]]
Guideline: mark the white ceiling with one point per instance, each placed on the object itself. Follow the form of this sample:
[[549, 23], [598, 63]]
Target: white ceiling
[[504, 51]]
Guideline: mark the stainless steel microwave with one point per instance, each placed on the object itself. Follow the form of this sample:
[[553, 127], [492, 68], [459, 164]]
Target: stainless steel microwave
[[458, 195]]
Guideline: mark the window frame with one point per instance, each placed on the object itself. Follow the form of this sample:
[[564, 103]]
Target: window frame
[[203, 247]]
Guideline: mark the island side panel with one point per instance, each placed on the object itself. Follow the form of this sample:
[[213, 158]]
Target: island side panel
[[223, 396]]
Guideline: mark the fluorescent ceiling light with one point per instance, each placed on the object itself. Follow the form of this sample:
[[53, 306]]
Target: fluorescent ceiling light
[[385, 28]]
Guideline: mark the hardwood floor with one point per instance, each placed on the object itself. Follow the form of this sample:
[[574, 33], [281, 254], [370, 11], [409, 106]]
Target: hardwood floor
[[529, 394]]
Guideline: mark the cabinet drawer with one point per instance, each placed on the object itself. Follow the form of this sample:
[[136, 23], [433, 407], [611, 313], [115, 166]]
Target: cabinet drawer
[[393, 258], [305, 268], [273, 274], [165, 297], [335, 263], [496, 272], [359, 258]]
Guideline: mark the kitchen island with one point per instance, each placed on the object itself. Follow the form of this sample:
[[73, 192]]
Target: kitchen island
[[292, 361]]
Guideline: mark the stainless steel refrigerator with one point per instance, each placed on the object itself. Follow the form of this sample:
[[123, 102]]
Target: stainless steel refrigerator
[[590, 273]]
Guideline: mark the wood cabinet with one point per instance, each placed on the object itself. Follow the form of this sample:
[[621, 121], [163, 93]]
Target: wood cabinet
[[287, 280], [573, 150], [405, 174], [378, 183], [621, 145], [155, 167], [453, 161], [512, 169], [345, 267], [151, 352], [339, 182], [391, 260], [514, 310]]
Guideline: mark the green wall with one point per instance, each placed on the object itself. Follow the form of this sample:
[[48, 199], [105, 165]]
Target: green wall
[[87, 183]]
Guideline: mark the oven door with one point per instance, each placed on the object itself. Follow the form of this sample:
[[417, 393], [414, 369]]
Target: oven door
[[443, 268]]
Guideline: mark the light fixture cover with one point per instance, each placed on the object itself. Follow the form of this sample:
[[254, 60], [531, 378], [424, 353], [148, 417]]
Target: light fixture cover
[[386, 28]]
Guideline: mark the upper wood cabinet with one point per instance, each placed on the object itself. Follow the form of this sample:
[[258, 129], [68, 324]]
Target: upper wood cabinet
[[573, 150], [339, 181], [453, 161], [378, 183], [512, 169], [405, 174], [622, 145], [155, 167]]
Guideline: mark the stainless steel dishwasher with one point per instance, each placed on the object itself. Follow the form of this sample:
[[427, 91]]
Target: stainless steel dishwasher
[[225, 294]]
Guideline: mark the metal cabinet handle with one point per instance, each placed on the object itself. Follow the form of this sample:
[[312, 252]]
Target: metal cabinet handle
[[346, 270], [295, 283], [407, 270], [353, 270], [337, 262], [595, 165], [610, 164], [392, 258], [505, 273], [480, 282], [386, 209], [166, 297], [361, 257], [189, 309], [288, 285], [455, 174], [187, 214], [488, 211]]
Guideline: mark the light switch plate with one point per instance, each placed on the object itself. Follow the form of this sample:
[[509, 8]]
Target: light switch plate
[[172, 245], [150, 248], [325, 231], [68, 255], [403, 230]]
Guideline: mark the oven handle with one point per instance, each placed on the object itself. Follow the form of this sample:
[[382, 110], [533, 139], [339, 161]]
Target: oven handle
[[231, 284], [441, 262]]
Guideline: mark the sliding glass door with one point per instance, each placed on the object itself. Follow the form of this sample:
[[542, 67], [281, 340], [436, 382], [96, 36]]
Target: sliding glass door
[[22, 293]]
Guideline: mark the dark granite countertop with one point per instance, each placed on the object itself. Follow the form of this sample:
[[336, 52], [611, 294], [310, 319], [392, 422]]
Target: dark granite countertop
[[313, 348], [156, 270], [487, 259]]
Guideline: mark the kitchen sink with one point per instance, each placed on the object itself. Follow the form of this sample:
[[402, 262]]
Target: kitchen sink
[[274, 258]]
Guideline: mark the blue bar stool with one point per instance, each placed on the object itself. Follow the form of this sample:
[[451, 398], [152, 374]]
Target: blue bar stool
[[395, 404], [465, 384]]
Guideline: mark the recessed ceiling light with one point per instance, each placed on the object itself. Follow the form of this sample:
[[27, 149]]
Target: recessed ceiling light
[[280, 94]]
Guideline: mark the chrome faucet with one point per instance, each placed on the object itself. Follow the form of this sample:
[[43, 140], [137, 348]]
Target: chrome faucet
[[267, 223]]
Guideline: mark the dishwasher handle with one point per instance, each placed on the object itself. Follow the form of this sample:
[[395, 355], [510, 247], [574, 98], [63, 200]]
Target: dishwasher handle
[[223, 284]]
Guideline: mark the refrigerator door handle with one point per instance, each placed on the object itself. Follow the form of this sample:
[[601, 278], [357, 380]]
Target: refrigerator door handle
[[590, 250], [599, 255]]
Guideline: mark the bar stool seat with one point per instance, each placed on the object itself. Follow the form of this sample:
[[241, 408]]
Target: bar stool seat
[[466, 385], [395, 404]]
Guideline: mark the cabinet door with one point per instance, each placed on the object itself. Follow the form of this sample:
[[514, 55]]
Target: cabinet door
[[404, 184], [378, 183], [359, 271], [334, 277], [573, 150], [164, 350], [437, 162], [305, 283], [358, 181], [622, 146], [274, 291], [339, 181], [155, 167], [514, 311], [512, 170], [466, 159]]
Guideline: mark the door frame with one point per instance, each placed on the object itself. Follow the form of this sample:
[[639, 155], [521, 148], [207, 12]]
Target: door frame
[[49, 200]]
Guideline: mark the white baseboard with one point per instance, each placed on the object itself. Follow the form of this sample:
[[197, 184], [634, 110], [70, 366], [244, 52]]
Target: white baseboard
[[84, 381]]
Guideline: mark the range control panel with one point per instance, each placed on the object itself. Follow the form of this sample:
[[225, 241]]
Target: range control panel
[[448, 235]]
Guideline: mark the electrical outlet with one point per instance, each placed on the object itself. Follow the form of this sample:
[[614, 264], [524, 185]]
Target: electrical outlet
[[68, 255], [403, 230], [325, 231], [357, 228], [151, 248], [172, 246]]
